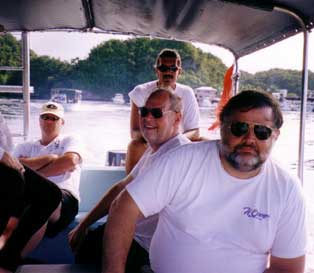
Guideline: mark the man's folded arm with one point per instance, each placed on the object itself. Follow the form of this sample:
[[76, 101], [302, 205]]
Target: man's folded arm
[[64, 163]]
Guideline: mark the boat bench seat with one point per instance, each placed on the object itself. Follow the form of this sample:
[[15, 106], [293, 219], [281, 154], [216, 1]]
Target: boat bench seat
[[57, 268], [94, 183], [65, 268]]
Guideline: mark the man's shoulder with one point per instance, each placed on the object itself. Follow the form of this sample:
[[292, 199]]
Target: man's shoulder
[[69, 140], [145, 86], [191, 149], [275, 168], [29, 143], [183, 88]]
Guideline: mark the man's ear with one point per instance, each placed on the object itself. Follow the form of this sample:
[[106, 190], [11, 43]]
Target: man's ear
[[178, 118], [276, 134]]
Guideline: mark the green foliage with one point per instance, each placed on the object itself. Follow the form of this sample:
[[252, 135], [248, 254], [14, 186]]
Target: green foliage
[[275, 79], [117, 66], [47, 72]]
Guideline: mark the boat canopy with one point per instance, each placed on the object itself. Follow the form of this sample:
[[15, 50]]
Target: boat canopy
[[242, 26]]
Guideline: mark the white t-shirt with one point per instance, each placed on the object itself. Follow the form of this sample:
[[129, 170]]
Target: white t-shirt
[[190, 110], [212, 222], [6, 143], [60, 145], [145, 228]]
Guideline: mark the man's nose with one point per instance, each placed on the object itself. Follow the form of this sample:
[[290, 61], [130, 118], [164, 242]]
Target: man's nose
[[250, 135]]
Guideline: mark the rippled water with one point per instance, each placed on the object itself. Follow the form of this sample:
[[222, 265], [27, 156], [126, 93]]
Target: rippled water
[[104, 126]]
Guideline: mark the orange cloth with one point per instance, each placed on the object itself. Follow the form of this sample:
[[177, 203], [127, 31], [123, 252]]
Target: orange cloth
[[225, 96]]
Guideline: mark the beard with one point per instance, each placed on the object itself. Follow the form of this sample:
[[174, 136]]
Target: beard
[[244, 162]]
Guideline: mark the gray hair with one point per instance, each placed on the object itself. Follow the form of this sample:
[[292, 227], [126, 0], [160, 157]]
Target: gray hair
[[175, 100]]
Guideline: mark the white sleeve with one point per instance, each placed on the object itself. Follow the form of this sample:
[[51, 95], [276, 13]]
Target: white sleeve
[[191, 112], [290, 238], [137, 96], [153, 189], [73, 144]]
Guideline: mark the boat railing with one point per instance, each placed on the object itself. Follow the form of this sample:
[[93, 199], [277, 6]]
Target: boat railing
[[25, 89]]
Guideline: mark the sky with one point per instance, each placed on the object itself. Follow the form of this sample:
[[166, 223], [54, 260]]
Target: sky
[[67, 46]]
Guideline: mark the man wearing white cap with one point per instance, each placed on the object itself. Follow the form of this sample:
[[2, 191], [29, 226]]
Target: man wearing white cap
[[27, 201], [59, 159]]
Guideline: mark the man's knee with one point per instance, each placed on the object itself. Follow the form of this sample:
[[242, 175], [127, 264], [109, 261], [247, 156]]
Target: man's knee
[[12, 182]]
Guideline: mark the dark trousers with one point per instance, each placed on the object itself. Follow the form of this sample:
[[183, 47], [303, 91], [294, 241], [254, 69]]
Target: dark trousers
[[90, 252], [33, 203]]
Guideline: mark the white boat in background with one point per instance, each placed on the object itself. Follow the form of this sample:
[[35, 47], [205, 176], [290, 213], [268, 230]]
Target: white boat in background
[[118, 98], [68, 97], [205, 95]]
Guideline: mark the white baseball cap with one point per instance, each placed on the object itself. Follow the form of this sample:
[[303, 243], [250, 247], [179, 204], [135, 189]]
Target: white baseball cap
[[53, 108]]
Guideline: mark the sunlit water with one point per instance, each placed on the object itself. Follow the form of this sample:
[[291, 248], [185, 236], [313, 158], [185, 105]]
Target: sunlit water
[[104, 126]]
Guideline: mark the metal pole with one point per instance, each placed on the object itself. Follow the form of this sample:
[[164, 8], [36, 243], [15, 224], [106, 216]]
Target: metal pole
[[304, 90], [26, 81], [236, 76], [303, 104]]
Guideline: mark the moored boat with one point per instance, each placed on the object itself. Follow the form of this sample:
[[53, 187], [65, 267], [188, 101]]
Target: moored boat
[[69, 98]]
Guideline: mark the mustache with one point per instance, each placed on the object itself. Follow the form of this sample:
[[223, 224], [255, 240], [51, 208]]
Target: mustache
[[167, 77], [246, 146]]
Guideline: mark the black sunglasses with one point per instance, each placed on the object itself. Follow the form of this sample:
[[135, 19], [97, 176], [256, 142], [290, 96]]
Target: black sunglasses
[[156, 112], [165, 68], [46, 117], [239, 129]]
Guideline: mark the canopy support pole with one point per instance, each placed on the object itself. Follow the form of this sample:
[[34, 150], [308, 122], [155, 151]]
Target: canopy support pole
[[236, 76], [26, 82], [304, 89]]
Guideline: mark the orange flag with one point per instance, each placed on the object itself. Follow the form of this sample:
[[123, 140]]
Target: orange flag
[[225, 96]]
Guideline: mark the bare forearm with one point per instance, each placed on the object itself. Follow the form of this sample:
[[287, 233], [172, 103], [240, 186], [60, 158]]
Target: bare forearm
[[119, 233], [61, 165], [38, 162]]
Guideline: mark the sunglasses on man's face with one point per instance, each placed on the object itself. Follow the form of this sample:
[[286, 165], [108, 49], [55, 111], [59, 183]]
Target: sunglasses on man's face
[[52, 118], [165, 68], [156, 112], [239, 129]]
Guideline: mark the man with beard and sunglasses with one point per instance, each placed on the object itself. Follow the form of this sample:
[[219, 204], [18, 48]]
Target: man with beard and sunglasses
[[223, 205], [167, 68], [159, 123]]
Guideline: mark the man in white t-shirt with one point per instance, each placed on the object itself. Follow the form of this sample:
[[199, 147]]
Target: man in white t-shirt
[[27, 201], [167, 68], [159, 122], [224, 206], [57, 158]]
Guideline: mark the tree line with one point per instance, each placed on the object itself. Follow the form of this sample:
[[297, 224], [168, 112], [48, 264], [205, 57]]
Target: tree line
[[117, 66]]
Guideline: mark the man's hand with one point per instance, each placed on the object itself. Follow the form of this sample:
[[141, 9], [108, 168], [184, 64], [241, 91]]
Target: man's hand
[[12, 162]]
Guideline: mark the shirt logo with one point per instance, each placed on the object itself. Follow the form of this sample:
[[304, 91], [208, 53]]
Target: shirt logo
[[254, 213]]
